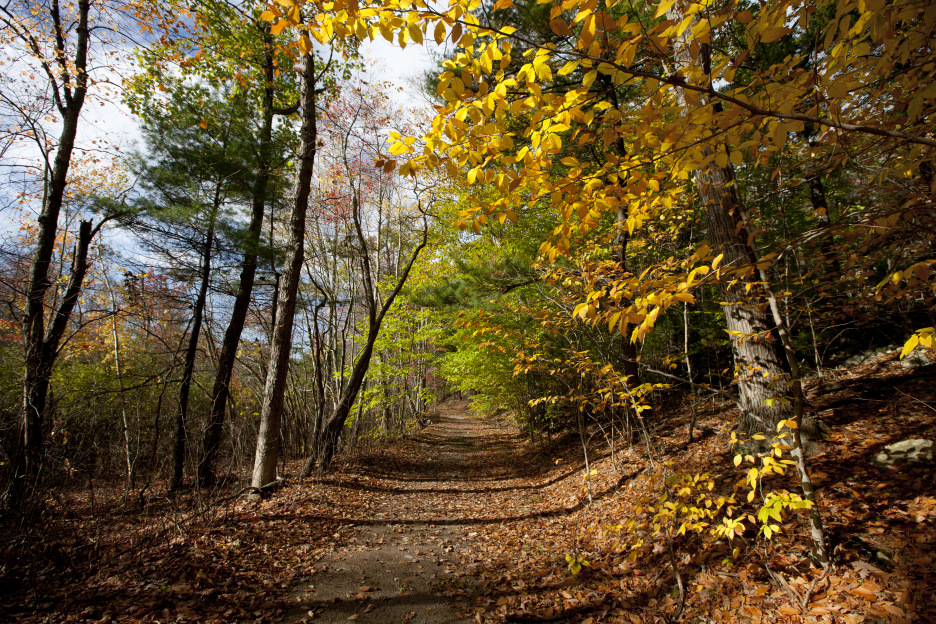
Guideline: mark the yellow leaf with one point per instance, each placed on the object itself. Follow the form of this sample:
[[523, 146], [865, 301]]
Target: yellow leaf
[[589, 78], [910, 345], [717, 260], [268, 16], [569, 67], [399, 147], [439, 34], [629, 51], [278, 27], [737, 460], [663, 7], [588, 29]]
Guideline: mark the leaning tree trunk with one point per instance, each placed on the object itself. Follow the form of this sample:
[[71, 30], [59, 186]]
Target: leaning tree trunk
[[191, 351], [271, 410], [221, 390]]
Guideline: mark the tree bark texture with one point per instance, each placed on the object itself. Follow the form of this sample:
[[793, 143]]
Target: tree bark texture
[[271, 410], [759, 369]]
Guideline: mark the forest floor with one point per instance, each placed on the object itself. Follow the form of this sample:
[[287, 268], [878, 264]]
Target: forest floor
[[468, 521]]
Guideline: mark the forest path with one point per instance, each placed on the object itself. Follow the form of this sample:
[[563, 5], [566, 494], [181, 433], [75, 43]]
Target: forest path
[[416, 503]]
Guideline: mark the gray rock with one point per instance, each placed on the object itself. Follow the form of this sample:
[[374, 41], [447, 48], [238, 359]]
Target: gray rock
[[918, 357], [868, 357], [912, 451]]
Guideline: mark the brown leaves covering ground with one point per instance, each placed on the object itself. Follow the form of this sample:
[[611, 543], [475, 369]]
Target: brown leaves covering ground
[[517, 510]]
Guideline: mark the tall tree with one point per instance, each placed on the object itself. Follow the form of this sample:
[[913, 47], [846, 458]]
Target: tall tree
[[271, 410], [198, 162], [761, 373], [54, 41]]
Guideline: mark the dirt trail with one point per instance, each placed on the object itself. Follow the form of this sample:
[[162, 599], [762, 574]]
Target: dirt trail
[[406, 560]]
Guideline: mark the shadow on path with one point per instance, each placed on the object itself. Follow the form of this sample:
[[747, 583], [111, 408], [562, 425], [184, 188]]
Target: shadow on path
[[412, 507]]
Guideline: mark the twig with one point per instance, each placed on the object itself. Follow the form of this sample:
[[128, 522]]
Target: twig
[[812, 586], [682, 590], [916, 400], [794, 595]]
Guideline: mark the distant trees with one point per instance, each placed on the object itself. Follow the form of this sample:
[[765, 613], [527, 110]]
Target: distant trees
[[365, 203]]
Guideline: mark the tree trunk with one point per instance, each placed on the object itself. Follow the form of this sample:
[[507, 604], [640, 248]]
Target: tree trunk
[[69, 92], [125, 425], [628, 348], [221, 390], [271, 410], [188, 367], [37, 384], [760, 372], [619, 251], [758, 365]]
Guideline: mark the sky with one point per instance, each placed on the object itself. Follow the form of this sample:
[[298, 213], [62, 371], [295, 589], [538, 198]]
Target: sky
[[403, 67], [107, 126]]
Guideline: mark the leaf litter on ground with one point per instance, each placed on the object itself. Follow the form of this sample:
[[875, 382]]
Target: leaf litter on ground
[[495, 516]]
